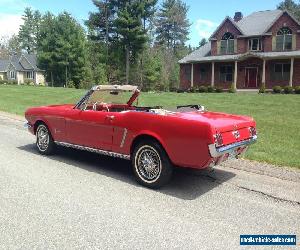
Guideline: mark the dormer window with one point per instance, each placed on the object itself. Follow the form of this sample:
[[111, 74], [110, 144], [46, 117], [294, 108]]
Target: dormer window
[[254, 44], [284, 39], [227, 44]]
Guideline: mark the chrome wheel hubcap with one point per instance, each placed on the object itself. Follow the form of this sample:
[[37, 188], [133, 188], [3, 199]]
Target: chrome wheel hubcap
[[148, 164], [42, 138]]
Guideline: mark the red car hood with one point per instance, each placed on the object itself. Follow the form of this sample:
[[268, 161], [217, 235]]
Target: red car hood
[[222, 122]]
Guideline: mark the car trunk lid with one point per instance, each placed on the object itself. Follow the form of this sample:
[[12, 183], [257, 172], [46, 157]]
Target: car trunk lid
[[233, 128]]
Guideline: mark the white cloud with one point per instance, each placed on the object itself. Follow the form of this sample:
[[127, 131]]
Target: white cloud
[[205, 28], [10, 24]]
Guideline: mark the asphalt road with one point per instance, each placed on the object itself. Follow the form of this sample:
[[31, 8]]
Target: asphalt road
[[79, 200]]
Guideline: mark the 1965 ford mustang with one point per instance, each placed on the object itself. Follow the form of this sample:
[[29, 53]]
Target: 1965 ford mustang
[[107, 121]]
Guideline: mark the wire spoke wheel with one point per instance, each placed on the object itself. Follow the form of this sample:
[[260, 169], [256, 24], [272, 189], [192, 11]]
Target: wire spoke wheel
[[43, 138], [148, 164]]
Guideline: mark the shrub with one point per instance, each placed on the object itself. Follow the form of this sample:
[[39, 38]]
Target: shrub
[[210, 89], [219, 90], [232, 89], [191, 90], [180, 91], [173, 89], [297, 90], [13, 82], [71, 84], [159, 87], [202, 89], [3, 82], [262, 88], [28, 82], [277, 89], [288, 90]]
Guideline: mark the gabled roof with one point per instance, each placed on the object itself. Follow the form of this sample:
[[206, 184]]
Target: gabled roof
[[258, 22], [230, 20], [22, 62], [198, 53], [4, 65]]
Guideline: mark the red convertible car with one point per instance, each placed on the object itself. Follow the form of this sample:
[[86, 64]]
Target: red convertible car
[[108, 121]]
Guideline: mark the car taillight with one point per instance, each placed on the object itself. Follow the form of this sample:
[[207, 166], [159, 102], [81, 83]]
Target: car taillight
[[252, 131], [218, 140]]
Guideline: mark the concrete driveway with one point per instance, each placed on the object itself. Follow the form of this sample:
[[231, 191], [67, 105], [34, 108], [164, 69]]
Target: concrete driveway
[[82, 200]]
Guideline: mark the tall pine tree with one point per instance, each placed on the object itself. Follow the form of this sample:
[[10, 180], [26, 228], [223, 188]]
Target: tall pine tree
[[28, 31], [62, 49], [121, 25], [172, 25]]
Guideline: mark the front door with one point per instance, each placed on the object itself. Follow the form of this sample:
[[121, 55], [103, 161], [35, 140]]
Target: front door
[[251, 77], [90, 128]]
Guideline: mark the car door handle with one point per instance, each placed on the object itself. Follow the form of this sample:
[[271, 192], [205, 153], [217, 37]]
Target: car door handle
[[110, 117]]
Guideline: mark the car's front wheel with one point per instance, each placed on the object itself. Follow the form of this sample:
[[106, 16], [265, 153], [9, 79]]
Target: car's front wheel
[[44, 140], [151, 164]]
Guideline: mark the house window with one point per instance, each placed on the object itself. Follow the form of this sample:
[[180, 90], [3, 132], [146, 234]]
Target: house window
[[227, 44], [284, 39], [281, 72], [187, 72], [203, 73], [12, 74], [254, 44], [29, 75], [226, 73]]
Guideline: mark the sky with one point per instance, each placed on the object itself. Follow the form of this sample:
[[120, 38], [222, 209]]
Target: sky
[[204, 15]]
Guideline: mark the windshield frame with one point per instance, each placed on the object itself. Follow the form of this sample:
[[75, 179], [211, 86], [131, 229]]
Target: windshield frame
[[119, 88]]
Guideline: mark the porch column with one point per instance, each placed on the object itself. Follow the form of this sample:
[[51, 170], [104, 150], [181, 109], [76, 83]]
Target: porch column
[[291, 72], [263, 80], [235, 74], [192, 76], [213, 74]]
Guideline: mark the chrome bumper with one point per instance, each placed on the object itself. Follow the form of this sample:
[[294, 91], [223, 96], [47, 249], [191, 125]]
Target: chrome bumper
[[27, 125], [216, 152]]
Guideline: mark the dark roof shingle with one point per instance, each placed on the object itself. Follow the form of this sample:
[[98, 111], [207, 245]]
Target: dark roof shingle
[[21, 62]]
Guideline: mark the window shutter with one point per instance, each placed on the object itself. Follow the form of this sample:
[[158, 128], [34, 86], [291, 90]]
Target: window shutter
[[231, 46], [288, 42], [223, 46], [218, 47], [273, 43], [235, 45], [279, 43], [294, 43]]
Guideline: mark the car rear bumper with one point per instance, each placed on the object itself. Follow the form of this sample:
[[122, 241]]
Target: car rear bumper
[[217, 152]]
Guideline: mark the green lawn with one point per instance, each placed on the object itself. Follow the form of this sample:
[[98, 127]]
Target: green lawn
[[277, 116]]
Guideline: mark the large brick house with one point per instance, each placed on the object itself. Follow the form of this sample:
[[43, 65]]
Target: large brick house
[[263, 47]]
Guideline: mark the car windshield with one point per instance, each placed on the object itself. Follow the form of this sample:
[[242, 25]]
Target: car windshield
[[110, 97], [108, 94]]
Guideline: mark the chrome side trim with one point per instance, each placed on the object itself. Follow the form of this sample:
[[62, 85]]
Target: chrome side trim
[[216, 152], [93, 150], [123, 138]]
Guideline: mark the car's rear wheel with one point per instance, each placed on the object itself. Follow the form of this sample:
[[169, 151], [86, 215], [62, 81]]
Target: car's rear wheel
[[151, 164], [44, 140]]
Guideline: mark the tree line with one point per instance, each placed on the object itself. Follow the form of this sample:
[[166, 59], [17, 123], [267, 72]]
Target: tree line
[[130, 41]]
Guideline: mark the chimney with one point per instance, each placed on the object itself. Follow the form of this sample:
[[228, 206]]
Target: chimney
[[238, 16]]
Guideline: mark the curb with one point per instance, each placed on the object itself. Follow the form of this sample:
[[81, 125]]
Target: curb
[[262, 168]]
